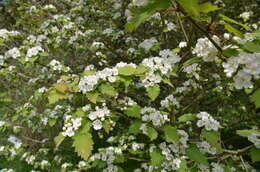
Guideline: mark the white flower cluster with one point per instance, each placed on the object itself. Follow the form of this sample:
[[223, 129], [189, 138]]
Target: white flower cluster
[[140, 3], [71, 125], [98, 45], [2, 123], [30, 159], [206, 49], [4, 34], [147, 44], [34, 51], [2, 60], [246, 15], [7, 170], [192, 68], [182, 44], [205, 120], [126, 102], [216, 167], [251, 68], [98, 116], [170, 101], [162, 64], [205, 147], [13, 53], [14, 140], [255, 138], [172, 163], [108, 155], [137, 146], [87, 83], [152, 115], [56, 65]]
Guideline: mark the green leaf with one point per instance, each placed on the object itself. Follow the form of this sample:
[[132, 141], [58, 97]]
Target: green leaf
[[152, 133], [245, 133], [187, 117], [126, 70], [256, 33], [133, 111], [140, 70], [61, 87], [191, 7], [183, 167], [156, 157], [167, 81], [83, 144], [256, 98], [54, 96], [171, 134], [208, 7], [58, 140], [143, 13], [233, 30], [255, 154], [194, 154], [79, 113], [227, 19], [135, 127], [230, 52], [252, 46], [213, 138], [85, 127], [191, 61], [153, 92], [92, 97], [108, 90], [106, 126]]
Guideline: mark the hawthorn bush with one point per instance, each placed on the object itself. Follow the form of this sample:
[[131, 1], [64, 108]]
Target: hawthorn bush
[[129, 85]]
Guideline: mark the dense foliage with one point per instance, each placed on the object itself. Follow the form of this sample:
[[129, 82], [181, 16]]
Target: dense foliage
[[129, 85]]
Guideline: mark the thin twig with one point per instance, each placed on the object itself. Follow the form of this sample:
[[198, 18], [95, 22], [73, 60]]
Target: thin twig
[[182, 28], [243, 163], [238, 151], [36, 141]]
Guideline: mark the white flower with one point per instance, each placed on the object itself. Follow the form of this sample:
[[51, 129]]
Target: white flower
[[2, 123], [82, 164], [216, 167], [44, 163], [168, 54], [170, 100], [148, 44], [245, 15], [140, 3], [30, 159], [97, 125], [42, 90], [56, 65], [170, 26], [206, 148], [231, 66], [227, 36], [242, 80], [151, 114], [207, 121], [13, 53], [17, 142], [182, 44], [2, 148], [255, 138], [206, 49], [34, 51], [86, 108]]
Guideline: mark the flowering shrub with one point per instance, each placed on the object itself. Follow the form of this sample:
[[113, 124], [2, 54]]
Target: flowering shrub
[[122, 85]]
